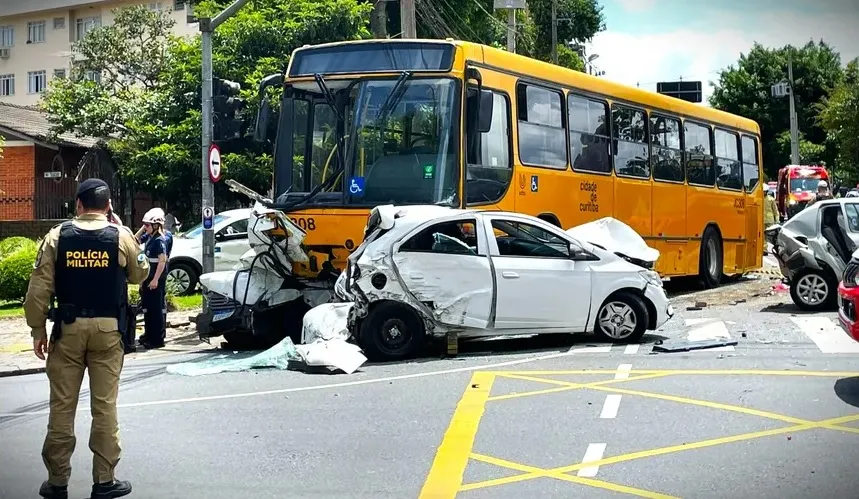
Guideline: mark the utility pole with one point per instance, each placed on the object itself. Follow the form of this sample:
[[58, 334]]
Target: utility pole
[[555, 31], [407, 19], [794, 126], [207, 27], [511, 6], [785, 89]]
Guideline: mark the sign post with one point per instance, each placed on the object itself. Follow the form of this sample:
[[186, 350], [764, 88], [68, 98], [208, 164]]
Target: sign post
[[207, 27]]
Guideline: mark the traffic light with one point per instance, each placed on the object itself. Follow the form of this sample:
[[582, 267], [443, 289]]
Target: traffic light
[[227, 107]]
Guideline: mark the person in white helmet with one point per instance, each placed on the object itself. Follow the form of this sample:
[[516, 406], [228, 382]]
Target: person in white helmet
[[152, 290], [822, 193]]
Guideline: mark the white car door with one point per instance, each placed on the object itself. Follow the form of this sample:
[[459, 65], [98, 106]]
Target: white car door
[[446, 265], [231, 242], [539, 283]]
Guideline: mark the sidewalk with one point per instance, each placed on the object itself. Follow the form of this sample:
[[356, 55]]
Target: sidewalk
[[16, 345]]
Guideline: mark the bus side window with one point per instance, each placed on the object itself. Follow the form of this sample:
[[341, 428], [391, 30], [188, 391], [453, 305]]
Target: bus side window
[[629, 136], [699, 156], [589, 136], [730, 173], [751, 171], [542, 139], [489, 167], [666, 156]]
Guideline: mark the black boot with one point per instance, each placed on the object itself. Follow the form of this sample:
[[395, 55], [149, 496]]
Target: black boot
[[108, 490], [54, 491]]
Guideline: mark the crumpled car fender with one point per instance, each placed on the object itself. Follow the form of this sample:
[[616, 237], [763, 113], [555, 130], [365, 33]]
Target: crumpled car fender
[[604, 284]]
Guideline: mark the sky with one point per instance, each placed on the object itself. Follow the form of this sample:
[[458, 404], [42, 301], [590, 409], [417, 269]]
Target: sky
[[648, 41]]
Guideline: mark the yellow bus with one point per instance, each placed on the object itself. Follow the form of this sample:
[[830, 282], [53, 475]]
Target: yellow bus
[[447, 122]]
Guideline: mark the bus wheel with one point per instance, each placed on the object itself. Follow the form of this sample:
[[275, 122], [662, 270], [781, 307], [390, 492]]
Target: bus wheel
[[710, 259]]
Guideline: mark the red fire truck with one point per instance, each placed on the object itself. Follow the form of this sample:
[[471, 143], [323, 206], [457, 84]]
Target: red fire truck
[[797, 185]]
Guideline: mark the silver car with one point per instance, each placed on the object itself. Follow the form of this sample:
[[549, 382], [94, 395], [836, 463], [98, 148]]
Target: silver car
[[813, 248]]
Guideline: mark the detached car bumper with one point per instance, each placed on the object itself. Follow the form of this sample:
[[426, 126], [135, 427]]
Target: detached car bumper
[[848, 298], [664, 309]]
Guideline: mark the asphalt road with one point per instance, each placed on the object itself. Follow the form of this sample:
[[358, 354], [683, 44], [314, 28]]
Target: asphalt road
[[775, 416]]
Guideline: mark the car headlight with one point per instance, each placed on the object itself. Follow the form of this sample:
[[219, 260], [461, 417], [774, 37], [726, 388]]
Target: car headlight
[[651, 277], [792, 201]]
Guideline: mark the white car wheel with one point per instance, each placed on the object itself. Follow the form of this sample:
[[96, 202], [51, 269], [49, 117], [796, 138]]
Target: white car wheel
[[181, 278], [813, 290], [622, 318]]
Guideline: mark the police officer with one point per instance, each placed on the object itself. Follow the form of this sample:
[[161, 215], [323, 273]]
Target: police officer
[[83, 263]]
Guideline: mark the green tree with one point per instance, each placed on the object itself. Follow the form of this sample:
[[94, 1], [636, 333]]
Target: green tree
[[477, 21], [744, 89], [154, 124], [839, 116]]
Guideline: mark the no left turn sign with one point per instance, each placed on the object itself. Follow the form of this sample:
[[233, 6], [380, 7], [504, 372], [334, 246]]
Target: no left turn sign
[[214, 163]]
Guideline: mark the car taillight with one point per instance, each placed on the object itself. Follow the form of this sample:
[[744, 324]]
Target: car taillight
[[850, 275]]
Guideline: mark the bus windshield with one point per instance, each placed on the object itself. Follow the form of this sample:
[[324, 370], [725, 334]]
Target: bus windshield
[[406, 142], [400, 138]]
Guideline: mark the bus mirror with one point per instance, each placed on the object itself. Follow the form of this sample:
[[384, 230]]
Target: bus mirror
[[486, 102], [262, 120]]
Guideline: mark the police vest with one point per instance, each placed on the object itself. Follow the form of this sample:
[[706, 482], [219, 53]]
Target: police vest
[[88, 275]]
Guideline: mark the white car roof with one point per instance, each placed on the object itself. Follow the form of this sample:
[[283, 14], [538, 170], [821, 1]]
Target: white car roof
[[409, 217]]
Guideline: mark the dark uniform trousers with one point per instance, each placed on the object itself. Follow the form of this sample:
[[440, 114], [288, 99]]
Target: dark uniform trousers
[[154, 303], [88, 284]]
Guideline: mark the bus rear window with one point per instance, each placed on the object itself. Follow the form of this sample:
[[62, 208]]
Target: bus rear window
[[379, 57]]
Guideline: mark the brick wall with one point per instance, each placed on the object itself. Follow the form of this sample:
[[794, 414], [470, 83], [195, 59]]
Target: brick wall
[[34, 229], [17, 185]]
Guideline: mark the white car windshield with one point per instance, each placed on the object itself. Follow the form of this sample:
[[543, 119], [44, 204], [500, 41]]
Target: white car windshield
[[197, 230]]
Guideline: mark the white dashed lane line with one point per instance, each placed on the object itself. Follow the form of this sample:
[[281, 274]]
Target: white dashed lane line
[[594, 453], [623, 371], [611, 406]]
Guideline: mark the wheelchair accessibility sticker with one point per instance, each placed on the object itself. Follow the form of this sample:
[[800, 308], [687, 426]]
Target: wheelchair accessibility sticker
[[534, 185], [356, 186]]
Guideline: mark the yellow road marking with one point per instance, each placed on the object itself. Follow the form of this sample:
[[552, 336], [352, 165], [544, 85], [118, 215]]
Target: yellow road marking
[[827, 424], [572, 479], [16, 348], [567, 386], [448, 467], [692, 372]]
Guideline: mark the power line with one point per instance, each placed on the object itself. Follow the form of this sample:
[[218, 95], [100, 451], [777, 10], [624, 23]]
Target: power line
[[519, 34], [461, 21]]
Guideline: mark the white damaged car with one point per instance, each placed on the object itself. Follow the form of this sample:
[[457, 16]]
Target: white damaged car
[[430, 270]]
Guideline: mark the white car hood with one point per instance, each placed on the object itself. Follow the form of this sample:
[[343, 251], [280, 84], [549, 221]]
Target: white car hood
[[616, 237]]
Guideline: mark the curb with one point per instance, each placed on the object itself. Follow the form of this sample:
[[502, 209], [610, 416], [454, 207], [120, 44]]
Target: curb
[[39, 370], [22, 372], [768, 272]]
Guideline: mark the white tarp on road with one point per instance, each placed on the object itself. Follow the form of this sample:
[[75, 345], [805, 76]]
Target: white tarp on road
[[324, 335]]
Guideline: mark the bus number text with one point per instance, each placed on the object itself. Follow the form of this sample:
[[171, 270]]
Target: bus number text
[[304, 224], [589, 193], [739, 203]]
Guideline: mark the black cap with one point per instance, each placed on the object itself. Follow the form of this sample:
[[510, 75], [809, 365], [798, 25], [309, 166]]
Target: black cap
[[90, 184]]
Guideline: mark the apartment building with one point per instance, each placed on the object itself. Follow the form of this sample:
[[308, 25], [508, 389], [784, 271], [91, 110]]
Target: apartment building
[[36, 38]]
